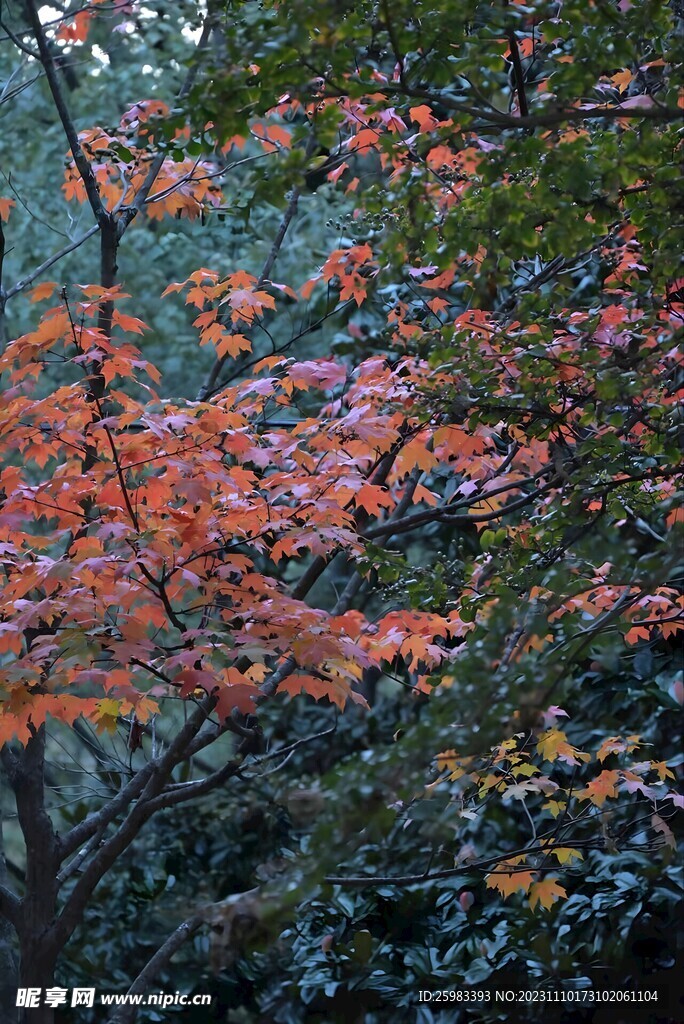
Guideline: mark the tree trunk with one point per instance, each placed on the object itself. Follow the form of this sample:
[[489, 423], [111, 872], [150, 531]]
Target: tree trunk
[[36, 971], [9, 978], [37, 952]]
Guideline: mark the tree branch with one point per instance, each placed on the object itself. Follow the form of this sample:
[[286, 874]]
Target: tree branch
[[128, 213], [156, 963], [185, 791], [28, 50], [445, 514], [426, 877], [32, 919], [10, 905], [82, 163], [518, 73], [24, 282], [143, 809], [209, 386], [98, 820], [552, 117]]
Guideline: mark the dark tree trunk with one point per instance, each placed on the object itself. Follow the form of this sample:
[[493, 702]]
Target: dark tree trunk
[[36, 971], [9, 977], [25, 768]]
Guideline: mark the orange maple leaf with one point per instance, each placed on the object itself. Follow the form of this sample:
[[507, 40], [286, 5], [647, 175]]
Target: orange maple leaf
[[5, 207], [508, 882], [601, 788], [546, 892]]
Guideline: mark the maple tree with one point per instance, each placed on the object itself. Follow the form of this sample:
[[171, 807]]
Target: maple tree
[[467, 489]]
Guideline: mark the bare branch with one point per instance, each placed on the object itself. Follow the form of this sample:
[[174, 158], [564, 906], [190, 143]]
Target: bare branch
[[28, 50], [184, 791], [98, 820], [155, 965], [10, 905], [426, 877], [80, 159], [518, 73], [445, 513], [30, 278], [157, 776]]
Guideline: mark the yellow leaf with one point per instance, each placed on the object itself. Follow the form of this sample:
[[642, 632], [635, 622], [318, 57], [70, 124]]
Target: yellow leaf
[[447, 760], [554, 744], [504, 749], [546, 892], [663, 771], [508, 882], [553, 807], [491, 781], [622, 79], [566, 855], [106, 715]]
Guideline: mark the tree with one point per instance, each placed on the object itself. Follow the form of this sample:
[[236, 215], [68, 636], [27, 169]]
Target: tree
[[467, 488]]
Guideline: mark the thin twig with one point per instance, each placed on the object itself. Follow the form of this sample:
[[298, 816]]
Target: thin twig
[[24, 282]]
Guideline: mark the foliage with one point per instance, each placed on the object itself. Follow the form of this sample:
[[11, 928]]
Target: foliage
[[429, 474]]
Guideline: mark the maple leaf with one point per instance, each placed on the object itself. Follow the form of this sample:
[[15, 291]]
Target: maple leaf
[[660, 826], [241, 279], [416, 454], [77, 31], [617, 745], [43, 290], [553, 744], [247, 304], [320, 373], [129, 323], [603, 787], [424, 117], [449, 761], [392, 120], [565, 854], [106, 715], [662, 770], [229, 344], [5, 207], [509, 882], [373, 498], [546, 892], [553, 807], [520, 790], [632, 783]]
